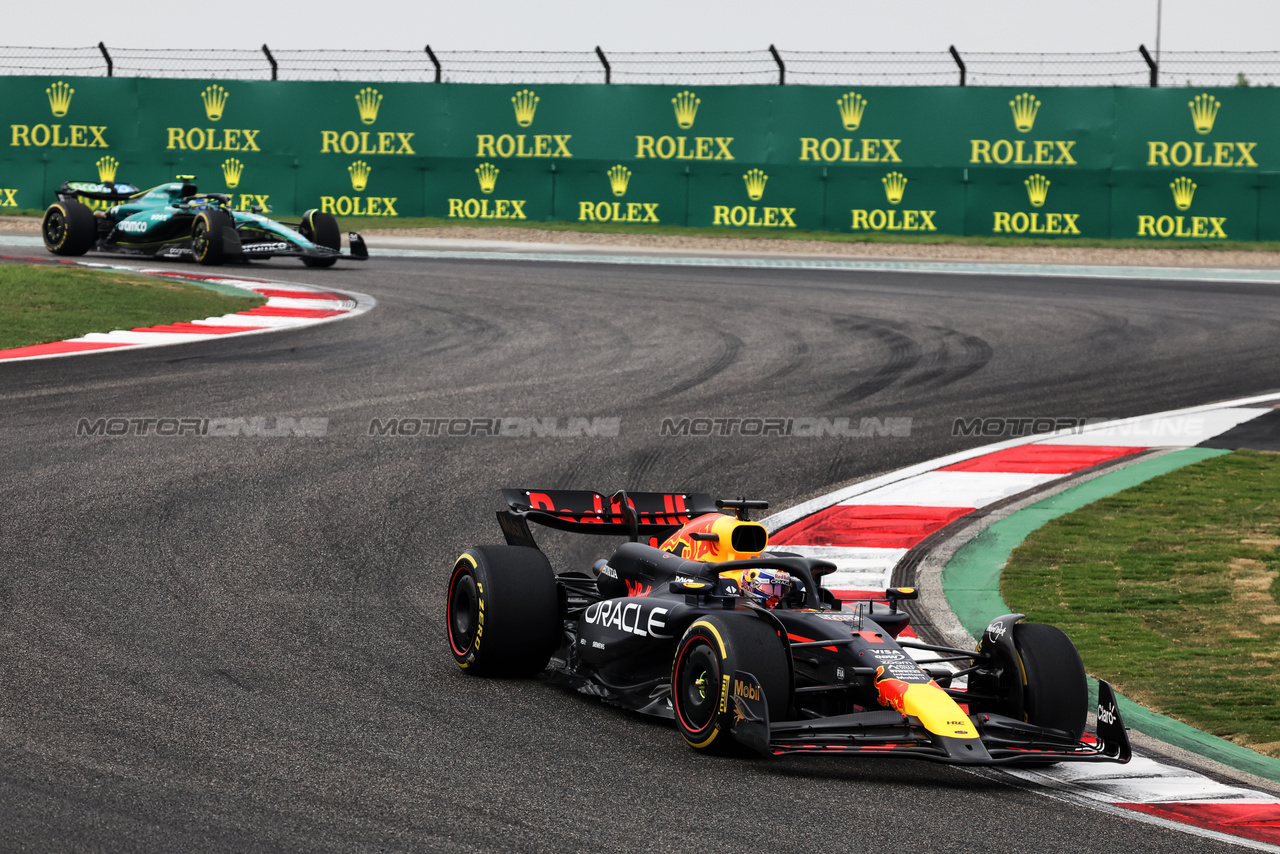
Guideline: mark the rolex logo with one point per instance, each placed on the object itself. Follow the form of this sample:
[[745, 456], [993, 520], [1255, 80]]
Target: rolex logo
[[686, 104], [1037, 190], [755, 180], [1183, 189], [851, 107], [895, 183], [231, 171], [1025, 107], [525, 104], [1204, 109], [107, 167], [618, 178], [488, 175], [367, 102], [359, 172], [215, 98], [60, 98]]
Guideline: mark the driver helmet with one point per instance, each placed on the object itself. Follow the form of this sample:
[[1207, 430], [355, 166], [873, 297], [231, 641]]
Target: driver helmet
[[767, 587]]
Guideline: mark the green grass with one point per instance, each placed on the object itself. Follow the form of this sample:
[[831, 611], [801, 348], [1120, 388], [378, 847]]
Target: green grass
[[371, 223], [49, 303], [1170, 591]]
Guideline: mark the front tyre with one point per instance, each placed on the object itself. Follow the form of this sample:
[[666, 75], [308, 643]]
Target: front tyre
[[1045, 685], [69, 228], [502, 611], [206, 237], [706, 658], [321, 229]]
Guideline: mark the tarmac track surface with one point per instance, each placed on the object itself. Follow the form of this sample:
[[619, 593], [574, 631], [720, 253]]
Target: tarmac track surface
[[236, 644]]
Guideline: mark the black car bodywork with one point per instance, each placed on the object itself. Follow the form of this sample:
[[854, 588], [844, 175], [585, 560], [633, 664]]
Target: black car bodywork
[[662, 627]]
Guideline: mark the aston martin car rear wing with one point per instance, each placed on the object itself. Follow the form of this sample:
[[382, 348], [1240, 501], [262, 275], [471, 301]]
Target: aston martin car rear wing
[[633, 514], [103, 191]]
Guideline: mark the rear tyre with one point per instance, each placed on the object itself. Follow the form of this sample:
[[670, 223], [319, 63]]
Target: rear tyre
[[1045, 686], [321, 229], [502, 611], [206, 237], [706, 658], [69, 228]]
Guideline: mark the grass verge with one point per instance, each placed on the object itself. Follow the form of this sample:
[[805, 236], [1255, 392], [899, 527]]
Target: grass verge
[[1169, 589], [40, 303]]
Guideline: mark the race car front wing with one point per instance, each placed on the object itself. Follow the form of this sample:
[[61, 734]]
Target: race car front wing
[[1001, 740]]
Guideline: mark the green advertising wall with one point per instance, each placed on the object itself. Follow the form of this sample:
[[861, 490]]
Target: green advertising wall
[[1092, 162]]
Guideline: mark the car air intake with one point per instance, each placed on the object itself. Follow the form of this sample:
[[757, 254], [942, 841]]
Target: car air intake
[[749, 537]]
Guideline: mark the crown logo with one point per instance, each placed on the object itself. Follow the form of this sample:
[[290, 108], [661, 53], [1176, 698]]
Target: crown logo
[[107, 167], [215, 98], [231, 169], [618, 178], [686, 104], [359, 172], [1183, 189], [1037, 190], [488, 175], [851, 107], [1204, 109], [1025, 107], [895, 183], [367, 102], [526, 104], [60, 98], [755, 184]]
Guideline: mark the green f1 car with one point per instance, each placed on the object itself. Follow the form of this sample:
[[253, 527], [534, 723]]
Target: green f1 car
[[175, 221]]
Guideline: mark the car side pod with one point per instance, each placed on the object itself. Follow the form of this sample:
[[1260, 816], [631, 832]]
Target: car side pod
[[1111, 732]]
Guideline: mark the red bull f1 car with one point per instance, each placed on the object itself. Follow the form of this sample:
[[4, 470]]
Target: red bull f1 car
[[695, 620], [175, 221]]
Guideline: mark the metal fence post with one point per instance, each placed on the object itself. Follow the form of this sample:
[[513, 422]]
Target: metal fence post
[[782, 69], [608, 72], [271, 59], [955, 54], [1151, 63], [110, 65], [431, 54]]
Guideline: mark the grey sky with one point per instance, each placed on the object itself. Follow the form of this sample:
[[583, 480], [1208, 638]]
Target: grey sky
[[659, 25]]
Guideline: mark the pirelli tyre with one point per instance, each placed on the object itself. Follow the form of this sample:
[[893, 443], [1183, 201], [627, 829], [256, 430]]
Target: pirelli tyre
[[708, 654], [69, 228], [503, 611], [322, 230], [1045, 685], [207, 245]]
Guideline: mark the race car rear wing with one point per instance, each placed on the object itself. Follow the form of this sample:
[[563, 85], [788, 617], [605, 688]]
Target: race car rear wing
[[104, 191], [633, 514]]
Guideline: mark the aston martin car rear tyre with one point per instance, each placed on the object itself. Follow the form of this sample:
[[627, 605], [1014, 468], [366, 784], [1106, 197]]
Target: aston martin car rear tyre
[[706, 658], [1045, 685], [321, 229], [69, 228], [503, 611], [206, 237]]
